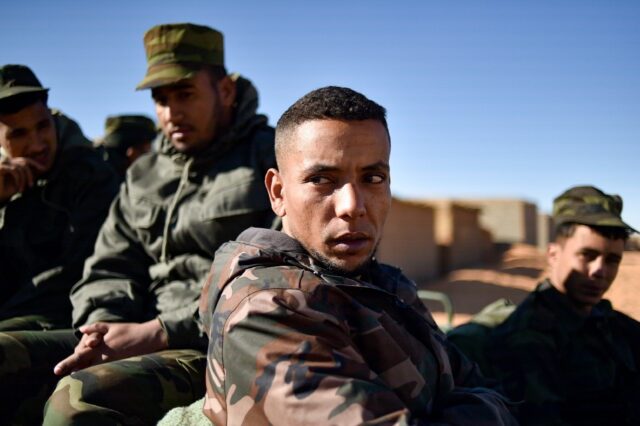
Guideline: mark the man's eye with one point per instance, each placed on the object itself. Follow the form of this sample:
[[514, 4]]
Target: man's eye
[[377, 178], [319, 180], [184, 95]]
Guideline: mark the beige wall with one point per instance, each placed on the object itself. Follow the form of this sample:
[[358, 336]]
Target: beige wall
[[545, 231], [408, 240], [508, 220], [461, 239]]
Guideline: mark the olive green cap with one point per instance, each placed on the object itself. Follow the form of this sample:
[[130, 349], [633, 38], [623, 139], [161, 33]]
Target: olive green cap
[[124, 131], [178, 51], [587, 205], [18, 79]]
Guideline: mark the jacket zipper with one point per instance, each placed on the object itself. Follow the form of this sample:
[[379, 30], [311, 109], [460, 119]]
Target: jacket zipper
[[172, 207]]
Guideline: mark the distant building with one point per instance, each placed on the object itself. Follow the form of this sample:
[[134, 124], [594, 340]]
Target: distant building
[[545, 231], [462, 241], [408, 240], [509, 220]]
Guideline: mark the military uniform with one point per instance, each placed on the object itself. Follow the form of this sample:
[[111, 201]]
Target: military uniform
[[569, 369], [48, 231], [121, 133], [567, 366], [293, 343], [151, 258]]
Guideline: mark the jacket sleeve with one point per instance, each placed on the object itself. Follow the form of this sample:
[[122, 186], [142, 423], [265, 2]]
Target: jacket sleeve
[[111, 288], [283, 362], [92, 196]]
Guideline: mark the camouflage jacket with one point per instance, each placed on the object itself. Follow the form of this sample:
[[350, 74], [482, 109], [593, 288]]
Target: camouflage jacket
[[172, 213], [48, 231], [569, 368], [290, 343]]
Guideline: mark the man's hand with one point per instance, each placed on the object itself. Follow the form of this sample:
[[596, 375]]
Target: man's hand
[[104, 342], [17, 175]]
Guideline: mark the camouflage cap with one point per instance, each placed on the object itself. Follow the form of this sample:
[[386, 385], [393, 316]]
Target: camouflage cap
[[587, 205], [124, 131], [178, 51], [18, 79]]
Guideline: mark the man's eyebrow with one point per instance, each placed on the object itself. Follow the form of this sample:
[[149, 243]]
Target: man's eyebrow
[[377, 166], [323, 168], [171, 88]]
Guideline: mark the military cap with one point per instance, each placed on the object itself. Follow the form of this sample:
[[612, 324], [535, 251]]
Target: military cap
[[178, 51], [587, 205], [124, 131], [18, 79]]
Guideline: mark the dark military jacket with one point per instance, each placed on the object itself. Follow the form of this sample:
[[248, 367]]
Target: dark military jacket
[[48, 231], [293, 344], [570, 369], [172, 213]]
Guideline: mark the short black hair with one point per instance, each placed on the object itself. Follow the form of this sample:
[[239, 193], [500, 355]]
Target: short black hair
[[327, 103], [216, 72], [14, 104], [567, 229]]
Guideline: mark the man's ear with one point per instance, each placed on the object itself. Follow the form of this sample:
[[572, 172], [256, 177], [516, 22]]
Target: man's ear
[[227, 90], [275, 188], [553, 250]]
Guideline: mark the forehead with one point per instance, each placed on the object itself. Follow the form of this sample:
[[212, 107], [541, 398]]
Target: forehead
[[586, 238], [26, 117], [337, 143], [198, 81]]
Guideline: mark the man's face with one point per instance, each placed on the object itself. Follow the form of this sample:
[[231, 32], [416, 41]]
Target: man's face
[[584, 266], [192, 112], [30, 133], [332, 190]]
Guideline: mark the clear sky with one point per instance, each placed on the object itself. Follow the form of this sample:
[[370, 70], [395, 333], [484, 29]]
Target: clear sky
[[484, 98]]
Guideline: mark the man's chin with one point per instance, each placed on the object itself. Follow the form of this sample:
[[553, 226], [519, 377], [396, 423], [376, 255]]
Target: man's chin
[[342, 267]]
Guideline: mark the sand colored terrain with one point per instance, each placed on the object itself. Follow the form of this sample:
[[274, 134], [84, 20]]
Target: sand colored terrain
[[515, 275]]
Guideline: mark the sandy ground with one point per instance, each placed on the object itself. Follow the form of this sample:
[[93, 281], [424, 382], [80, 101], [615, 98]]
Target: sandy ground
[[518, 272]]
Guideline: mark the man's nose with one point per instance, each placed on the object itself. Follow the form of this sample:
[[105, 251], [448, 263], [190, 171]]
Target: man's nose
[[349, 202]]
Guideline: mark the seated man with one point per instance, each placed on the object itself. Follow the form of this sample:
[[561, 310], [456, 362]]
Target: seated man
[[565, 351], [141, 351], [55, 193], [126, 138], [305, 326]]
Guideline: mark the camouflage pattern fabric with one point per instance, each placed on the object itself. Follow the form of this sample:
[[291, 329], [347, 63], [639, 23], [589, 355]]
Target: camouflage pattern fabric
[[291, 343], [587, 205], [27, 359], [133, 391], [178, 51], [569, 370], [34, 322]]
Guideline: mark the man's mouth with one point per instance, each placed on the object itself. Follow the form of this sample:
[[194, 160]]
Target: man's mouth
[[351, 242], [41, 158], [181, 132]]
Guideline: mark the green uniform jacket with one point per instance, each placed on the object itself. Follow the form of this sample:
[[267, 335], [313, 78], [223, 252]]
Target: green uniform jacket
[[291, 343], [47, 232], [569, 369], [173, 212]]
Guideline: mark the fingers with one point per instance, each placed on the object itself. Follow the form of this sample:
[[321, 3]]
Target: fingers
[[82, 357], [96, 327], [17, 174]]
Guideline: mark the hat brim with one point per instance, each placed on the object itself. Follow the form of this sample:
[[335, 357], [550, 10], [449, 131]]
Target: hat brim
[[603, 220], [162, 75], [19, 90]]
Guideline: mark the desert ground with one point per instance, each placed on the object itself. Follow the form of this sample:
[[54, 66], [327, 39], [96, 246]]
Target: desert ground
[[516, 273]]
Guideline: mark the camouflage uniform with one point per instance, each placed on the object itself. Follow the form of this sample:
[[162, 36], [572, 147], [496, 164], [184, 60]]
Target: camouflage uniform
[[48, 231], [292, 343], [151, 258], [569, 368]]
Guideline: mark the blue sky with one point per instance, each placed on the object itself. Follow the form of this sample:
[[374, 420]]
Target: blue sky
[[484, 98]]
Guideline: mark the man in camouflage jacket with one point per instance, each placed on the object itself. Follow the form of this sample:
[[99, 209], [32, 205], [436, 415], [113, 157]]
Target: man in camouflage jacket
[[141, 351], [305, 326], [565, 351], [54, 195]]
